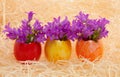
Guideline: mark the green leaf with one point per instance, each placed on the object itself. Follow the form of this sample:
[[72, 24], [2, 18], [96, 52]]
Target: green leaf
[[30, 38], [95, 35]]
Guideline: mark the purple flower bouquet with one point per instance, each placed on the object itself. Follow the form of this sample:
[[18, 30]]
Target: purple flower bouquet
[[57, 35], [28, 38], [59, 30], [58, 45], [26, 33], [89, 29], [89, 32]]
